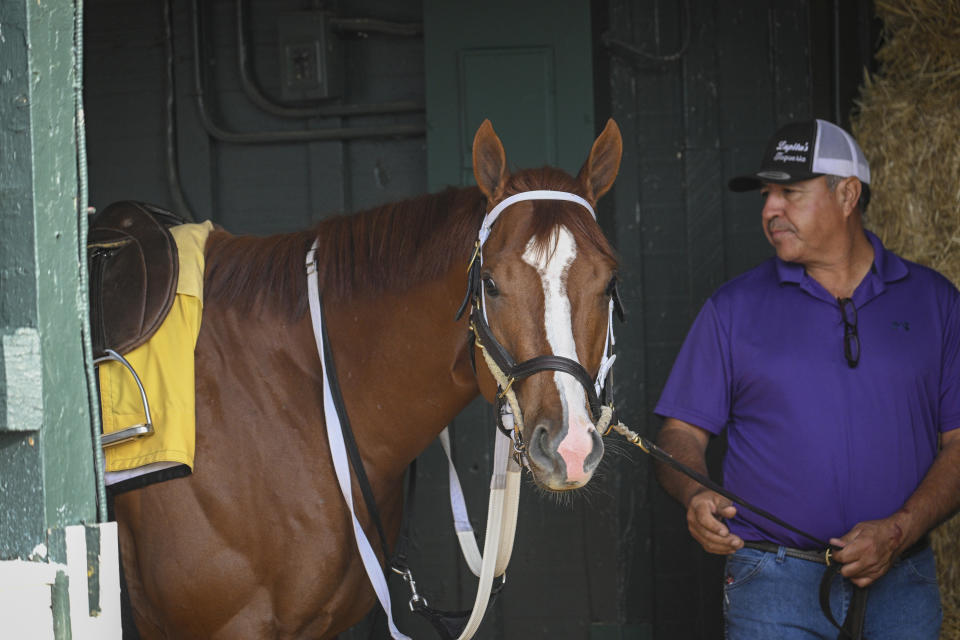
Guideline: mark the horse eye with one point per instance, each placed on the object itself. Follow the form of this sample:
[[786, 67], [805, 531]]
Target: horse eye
[[490, 287]]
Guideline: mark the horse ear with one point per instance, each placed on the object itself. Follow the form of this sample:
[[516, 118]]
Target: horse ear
[[600, 169], [489, 161]]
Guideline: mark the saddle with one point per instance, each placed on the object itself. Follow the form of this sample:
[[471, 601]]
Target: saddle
[[134, 266]]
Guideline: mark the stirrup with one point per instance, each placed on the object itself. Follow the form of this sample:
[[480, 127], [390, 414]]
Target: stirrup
[[138, 430]]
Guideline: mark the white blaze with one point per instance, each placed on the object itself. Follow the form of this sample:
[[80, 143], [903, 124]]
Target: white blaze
[[553, 266]]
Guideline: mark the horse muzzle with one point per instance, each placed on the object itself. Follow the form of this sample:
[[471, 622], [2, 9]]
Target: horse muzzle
[[562, 460]]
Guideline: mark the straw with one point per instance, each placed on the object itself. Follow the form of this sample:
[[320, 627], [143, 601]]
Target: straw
[[907, 119]]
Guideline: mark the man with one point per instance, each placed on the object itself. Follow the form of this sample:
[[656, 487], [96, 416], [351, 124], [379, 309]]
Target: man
[[834, 368]]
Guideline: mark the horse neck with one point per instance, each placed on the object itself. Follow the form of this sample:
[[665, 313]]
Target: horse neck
[[402, 359], [403, 366]]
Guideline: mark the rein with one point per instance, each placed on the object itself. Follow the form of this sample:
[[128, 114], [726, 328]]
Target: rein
[[336, 438], [852, 627]]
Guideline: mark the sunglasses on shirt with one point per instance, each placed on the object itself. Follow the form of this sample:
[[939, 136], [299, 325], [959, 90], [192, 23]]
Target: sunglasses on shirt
[[851, 341]]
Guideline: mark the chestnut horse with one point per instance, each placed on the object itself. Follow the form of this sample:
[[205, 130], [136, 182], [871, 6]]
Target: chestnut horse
[[257, 542]]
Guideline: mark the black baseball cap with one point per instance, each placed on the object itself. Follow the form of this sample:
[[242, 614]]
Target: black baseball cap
[[805, 150]]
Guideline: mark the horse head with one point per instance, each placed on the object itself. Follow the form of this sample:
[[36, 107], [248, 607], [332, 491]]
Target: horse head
[[544, 278]]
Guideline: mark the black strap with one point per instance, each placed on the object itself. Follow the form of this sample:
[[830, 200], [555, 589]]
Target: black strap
[[852, 627], [496, 350], [618, 303], [353, 452], [534, 365], [473, 284], [450, 624], [399, 561], [669, 460], [562, 364]]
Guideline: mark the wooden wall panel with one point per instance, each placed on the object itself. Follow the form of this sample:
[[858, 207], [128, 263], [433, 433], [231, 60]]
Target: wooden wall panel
[[700, 86]]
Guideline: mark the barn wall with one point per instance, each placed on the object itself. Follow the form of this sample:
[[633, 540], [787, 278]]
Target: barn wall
[[263, 187], [696, 87]]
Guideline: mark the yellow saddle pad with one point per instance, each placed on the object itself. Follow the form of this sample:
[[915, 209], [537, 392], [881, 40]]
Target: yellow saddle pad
[[165, 366]]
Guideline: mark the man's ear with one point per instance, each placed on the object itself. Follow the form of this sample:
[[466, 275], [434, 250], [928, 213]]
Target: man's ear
[[848, 194]]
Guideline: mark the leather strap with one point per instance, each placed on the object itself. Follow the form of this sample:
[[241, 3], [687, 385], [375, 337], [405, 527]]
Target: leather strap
[[661, 455], [450, 625], [534, 365], [852, 627], [811, 555], [350, 442], [335, 439]]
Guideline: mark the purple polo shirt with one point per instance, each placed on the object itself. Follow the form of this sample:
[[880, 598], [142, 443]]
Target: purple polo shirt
[[816, 443]]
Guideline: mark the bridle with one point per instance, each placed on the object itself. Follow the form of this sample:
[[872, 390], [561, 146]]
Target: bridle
[[504, 367]]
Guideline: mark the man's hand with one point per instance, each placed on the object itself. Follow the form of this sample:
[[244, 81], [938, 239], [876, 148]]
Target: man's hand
[[706, 510], [869, 549], [705, 514]]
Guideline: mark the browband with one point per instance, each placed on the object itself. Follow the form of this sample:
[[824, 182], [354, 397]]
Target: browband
[[540, 194]]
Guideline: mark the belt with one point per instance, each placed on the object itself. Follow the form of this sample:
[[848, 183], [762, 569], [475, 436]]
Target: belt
[[852, 627], [822, 556]]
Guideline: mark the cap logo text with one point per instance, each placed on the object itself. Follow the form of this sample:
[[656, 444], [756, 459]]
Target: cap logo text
[[790, 151]]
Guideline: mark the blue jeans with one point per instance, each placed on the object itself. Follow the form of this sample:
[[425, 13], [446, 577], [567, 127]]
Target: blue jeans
[[770, 595]]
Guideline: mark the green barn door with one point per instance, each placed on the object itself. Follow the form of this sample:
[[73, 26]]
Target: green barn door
[[524, 65], [58, 561]]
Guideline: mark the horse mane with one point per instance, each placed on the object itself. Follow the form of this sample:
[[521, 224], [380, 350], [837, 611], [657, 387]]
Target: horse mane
[[391, 247]]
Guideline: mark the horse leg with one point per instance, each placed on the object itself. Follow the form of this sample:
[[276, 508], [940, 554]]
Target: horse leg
[[183, 584], [140, 614]]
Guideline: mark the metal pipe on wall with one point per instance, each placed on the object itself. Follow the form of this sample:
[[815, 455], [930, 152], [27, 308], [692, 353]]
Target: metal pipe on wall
[[372, 25], [174, 186], [257, 96], [271, 137]]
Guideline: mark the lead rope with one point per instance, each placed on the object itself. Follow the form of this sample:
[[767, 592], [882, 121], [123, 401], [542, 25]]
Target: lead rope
[[661, 455], [461, 519], [852, 627], [502, 508]]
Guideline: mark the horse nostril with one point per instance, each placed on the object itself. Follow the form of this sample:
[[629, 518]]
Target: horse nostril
[[593, 458], [540, 444]]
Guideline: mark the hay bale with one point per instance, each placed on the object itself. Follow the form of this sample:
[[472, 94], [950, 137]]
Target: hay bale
[[907, 120]]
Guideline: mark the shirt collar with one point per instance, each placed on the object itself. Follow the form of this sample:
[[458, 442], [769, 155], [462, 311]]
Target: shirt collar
[[887, 265]]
